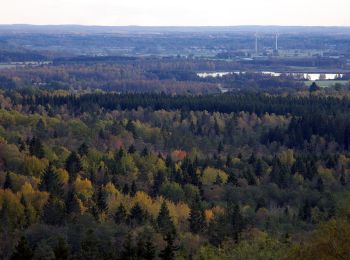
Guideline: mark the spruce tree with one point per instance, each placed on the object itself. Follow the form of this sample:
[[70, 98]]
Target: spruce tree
[[236, 221], [132, 149], [164, 221], [54, 211], [168, 253], [133, 189], [157, 183], [197, 218], [22, 250], [61, 250], [120, 215], [83, 149], [129, 251], [73, 166], [51, 183], [137, 215], [73, 204], [101, 200], [8, 182], [89, 246], [149, 250], [36, 148]]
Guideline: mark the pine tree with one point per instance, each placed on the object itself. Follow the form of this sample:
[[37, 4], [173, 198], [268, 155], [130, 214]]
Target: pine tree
[[29, 213], [342, 177], [73, 166], [8, 182], [132, 149], [83, 149], [54, 211], [164, 221], [236, 220], [120, 215], [125, 189], [220, 148], [22, 250], [51, 183], [145, 152], [73, 204], [129, 251], [320, 185], [149, 250], [133, 189], [36, 148], [168, 253], [89, 246], [218, 180], [229, 163], [61, 250], [157, 183], [232, 178], [137, 215], [305, 211], [197, 218], [101, 200]]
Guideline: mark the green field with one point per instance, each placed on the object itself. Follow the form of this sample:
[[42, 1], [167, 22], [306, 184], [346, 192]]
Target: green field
[[326, 83]]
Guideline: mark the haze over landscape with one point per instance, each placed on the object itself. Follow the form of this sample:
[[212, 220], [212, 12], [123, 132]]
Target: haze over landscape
[[175, 13], [174, 130]]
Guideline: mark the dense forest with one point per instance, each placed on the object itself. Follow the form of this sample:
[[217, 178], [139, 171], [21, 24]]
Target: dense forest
[[241, 175], [174, 143]]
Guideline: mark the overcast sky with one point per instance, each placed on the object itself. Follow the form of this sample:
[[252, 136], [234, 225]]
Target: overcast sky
[[178, 12]]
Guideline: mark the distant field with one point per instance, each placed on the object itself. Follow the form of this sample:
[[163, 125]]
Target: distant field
[[326, 83]]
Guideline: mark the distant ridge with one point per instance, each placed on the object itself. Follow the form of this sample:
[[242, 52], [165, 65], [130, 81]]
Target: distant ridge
[[68, 29]]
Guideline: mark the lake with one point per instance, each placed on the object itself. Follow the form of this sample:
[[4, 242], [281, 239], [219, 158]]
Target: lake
[[305, 76]]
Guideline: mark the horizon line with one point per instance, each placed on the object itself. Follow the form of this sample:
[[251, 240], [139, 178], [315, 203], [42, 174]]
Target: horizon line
[[174, 26]]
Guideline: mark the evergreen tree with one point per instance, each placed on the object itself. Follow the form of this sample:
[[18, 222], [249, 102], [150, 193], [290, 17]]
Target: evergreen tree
[[305, 211], [137, 215], [149, 249], [218, 180], [320, 185], [164, 221], [83, 149], [89, 246], [197, 218], [54, 211], [73, 166], [145, 152], [314, 87], [101, 200], [133, 189], [61, 250], [342, 177], [129, 251], [157, 183], [228, 163], [120, 215], [132, 149], [51, 183], [168, 253], [232, 178], [236, 220], [36, 148], [22, 250], [29, 213], [8, 182], [73, 204], [220, 148], [125, 189]]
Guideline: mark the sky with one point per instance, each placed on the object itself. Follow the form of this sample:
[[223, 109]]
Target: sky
[[176, 13]]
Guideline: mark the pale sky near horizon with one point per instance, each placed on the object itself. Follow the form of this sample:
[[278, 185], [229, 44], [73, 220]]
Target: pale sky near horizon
[[179, 12]]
